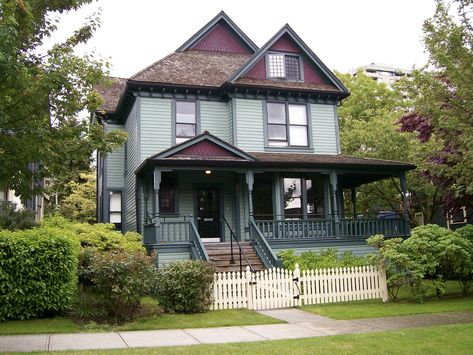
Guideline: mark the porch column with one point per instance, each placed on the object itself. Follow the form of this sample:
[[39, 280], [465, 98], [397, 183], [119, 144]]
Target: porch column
[[405, 202], [250, 179], [156, 186], [334, 185], [353, 201]]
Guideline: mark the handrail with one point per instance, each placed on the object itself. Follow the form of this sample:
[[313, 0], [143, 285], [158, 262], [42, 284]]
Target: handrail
[[195, 238], [233, 236], [269, 259]]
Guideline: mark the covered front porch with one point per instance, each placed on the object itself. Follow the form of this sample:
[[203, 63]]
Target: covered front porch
[[185, 201]]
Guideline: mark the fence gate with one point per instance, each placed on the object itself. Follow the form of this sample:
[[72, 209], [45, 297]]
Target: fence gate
[[282, 288]]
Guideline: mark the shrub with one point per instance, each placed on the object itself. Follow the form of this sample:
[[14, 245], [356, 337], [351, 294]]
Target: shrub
[[15, 220], [38, 273], [401, 269], [443, 255], [117, 282], [328, 258], [185, 286], [99, 237], [466, 232]]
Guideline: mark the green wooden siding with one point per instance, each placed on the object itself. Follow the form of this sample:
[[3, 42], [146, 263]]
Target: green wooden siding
[[155, 126], [214, 118], [115, 163], [248, 122], [230, 121], [324, 129], [359, 249], [165, 258], [129, 198]]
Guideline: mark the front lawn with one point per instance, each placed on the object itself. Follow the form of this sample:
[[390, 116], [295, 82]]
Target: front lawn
[[453, 301], [449, 339], [162, 321]]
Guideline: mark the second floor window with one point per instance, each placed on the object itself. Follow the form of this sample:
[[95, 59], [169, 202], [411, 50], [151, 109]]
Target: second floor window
[[287, 125], [186, 123], [283, 66]]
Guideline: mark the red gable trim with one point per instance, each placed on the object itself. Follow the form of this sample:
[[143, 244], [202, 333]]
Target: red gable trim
[[205, 149], [220, 39], [285, 44]]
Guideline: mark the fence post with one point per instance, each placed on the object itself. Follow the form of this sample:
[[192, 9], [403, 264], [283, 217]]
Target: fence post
[[249, 288], [383, 285], [297, 284]]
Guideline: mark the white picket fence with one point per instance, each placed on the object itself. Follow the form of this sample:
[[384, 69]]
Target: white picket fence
[[282, 288]]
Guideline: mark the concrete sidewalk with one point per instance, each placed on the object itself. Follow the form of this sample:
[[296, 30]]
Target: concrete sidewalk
[[300, 324]]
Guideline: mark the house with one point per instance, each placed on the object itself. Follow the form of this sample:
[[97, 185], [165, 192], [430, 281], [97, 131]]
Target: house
[[383, 73], [230, 142]]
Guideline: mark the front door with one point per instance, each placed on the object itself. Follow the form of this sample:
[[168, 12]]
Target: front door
[[208, 213]]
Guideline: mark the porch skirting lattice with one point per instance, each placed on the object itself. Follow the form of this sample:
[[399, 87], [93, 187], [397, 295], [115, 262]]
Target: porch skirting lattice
[[282, 288]]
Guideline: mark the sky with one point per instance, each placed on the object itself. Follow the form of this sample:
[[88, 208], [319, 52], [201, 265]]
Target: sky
[[344, 34]]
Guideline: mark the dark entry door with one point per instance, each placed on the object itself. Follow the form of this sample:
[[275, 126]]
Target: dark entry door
[[208, 212]]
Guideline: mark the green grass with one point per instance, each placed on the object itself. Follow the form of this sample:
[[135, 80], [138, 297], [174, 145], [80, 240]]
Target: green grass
[[453, 301], [162, 321], [450, 339]]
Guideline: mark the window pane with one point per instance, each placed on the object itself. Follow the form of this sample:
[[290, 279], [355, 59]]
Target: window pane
[[276, 113], [167, 195], [180, 140], [277, 143], [115, 202], [185, 130], [185, 112], [115, 217], [315, 197], [277, 132], [276, 65], [298, 135], [298, 114], [292, 67], [263, 197], [292, 197]]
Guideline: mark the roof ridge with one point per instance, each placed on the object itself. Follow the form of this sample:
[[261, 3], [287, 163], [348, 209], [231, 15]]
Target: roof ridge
[[151, 65]]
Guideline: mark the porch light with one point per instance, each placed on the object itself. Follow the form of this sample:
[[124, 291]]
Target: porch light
[[208, 172]]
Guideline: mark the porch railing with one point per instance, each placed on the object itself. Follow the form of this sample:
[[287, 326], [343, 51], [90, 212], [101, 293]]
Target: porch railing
[[286, 229], [262, 247], [169, 230]]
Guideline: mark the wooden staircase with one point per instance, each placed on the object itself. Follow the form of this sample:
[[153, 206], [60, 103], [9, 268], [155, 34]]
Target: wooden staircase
[[220, 255]]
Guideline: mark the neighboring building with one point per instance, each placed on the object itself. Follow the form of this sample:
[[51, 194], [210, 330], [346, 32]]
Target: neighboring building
[[383, 73], [228, 139], [35, 204]]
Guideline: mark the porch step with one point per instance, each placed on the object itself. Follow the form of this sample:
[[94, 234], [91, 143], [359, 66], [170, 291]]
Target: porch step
[[220, 256]]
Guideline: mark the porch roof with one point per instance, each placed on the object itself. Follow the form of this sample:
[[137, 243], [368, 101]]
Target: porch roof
[[216, 153]]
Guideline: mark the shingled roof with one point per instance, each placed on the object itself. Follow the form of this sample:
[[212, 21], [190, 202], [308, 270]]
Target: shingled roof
[[111, 90], [194, 68]]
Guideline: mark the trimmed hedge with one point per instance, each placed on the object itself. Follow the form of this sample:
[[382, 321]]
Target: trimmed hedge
[[96, 237], [324, 259], [38, 273], [185, 286]]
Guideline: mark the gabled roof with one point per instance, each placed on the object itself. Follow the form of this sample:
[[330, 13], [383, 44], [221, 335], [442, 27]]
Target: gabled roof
[[287, 30], [204, 146], [193, 68], [221, 17]]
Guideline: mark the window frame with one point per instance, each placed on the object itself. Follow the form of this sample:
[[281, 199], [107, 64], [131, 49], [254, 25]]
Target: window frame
[[109, 210], [268, 147], [304, 199], [175, 123], [296, 55]]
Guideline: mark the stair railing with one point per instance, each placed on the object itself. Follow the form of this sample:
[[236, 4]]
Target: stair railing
[[241, 252]]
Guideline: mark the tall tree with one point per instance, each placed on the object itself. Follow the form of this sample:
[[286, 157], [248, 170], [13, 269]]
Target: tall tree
[[369, 128], [42, 94], [442, 96]]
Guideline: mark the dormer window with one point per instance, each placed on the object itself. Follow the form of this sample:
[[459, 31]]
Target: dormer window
[[284, 66]]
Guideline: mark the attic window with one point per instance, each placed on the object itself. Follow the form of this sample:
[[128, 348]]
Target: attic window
[[284, 66]]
